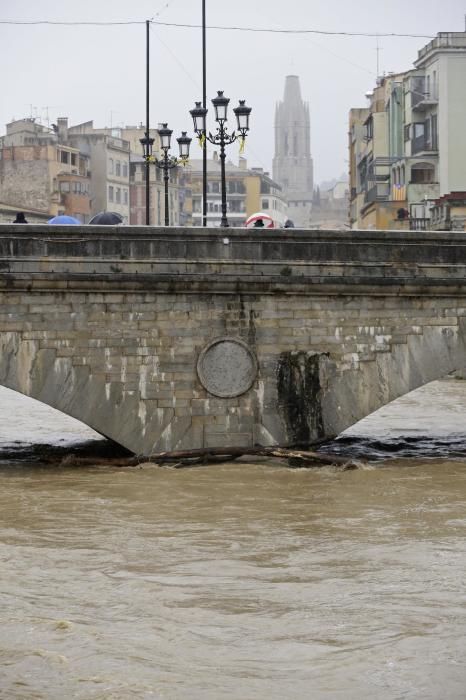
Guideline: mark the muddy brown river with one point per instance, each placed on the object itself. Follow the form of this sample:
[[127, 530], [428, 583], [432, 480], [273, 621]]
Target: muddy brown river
[[241, 581]]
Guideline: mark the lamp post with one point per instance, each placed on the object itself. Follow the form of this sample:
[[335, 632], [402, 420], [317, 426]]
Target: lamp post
[[221, 138], [166, 162], [147, 143], [204, 104]]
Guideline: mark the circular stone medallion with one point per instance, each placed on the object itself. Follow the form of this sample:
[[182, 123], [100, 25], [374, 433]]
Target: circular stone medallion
[[227, 367]]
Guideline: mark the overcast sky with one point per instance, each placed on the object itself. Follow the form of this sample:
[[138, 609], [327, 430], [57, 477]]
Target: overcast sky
[[88, 72]]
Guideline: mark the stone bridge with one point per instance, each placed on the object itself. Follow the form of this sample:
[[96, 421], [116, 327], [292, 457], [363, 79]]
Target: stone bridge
[[170, 338]]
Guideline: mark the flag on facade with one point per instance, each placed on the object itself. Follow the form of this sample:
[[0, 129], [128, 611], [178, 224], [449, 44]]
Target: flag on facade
[[399, 193]]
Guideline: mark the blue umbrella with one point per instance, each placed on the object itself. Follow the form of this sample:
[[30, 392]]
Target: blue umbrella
[[64, 220]]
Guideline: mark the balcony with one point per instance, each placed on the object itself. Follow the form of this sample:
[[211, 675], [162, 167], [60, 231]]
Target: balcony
[[379, 192], [420, 144], [118, 144], [426, 101], [419, 224], [385, 161]]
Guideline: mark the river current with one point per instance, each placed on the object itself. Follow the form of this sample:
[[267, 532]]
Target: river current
[[240, 581]]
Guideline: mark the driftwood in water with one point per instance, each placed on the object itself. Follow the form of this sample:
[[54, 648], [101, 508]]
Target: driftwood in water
[[178, 459], [196, 456]]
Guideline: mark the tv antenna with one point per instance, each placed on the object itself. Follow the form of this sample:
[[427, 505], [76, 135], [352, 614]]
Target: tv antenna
[[47, 118], [378, 49]]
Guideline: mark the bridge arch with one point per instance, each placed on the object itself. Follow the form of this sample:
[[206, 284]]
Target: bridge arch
[[27, 421], [108, 327]]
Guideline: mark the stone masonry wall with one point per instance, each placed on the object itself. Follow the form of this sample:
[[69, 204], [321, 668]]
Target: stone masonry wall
[[25, 184], [126, 363]]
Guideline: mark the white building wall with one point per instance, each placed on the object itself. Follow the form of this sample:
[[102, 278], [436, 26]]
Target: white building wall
[[452, 123]]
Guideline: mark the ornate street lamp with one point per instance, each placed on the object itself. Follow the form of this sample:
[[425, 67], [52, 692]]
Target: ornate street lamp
[[147, 144], [221, 137], [166, 162]]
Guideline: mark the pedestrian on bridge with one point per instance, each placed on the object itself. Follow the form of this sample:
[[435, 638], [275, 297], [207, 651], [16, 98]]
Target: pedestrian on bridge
[[20, 218]]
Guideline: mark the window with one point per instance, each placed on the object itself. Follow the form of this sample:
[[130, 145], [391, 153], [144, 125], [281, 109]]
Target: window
[[422, 173], [64, 186], [110, 166], [427, 133], [118, 168], [418, 137], [64, 157], [369, 129], [434, 132], [125, 196], [73, 159], [215, 187], [125, 169], [407, 132], [118, 195], [265, 204], [110, 193]]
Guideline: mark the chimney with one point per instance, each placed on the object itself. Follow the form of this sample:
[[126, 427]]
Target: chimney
[[243, 163], [62, 127]]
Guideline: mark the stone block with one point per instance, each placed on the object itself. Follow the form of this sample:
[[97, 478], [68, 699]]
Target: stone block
[[228, 440]]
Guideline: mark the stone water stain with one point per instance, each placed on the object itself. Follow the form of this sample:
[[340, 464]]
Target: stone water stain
[[300, 395]]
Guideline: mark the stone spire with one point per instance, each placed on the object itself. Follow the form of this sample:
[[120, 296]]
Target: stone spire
[[292, 164]]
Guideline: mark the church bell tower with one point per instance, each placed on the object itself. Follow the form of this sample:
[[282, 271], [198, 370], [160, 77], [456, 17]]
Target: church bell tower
[[292, 164]]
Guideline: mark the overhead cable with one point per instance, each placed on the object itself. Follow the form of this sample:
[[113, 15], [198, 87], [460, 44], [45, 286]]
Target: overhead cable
[[264, 30]]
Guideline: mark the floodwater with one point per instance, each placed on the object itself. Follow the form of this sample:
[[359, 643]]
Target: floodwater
[[239, 581]]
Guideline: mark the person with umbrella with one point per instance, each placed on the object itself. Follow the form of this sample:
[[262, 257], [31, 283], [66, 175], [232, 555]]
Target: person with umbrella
[[64, 220], [106, 218], [265, 220]]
